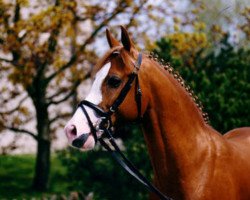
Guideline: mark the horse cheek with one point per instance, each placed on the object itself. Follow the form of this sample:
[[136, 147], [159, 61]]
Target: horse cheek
[[128, 108]]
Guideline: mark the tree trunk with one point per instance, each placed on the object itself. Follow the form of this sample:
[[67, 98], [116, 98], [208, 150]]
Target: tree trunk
[[42, 169], [41, 178]]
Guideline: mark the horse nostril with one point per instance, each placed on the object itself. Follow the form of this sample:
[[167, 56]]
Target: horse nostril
[[71, 131]]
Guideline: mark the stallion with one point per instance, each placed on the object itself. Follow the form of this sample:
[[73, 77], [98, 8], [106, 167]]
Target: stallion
[[190, 159]]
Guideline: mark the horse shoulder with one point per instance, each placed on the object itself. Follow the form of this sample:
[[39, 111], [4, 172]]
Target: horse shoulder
[[238, 134], [239, 141]]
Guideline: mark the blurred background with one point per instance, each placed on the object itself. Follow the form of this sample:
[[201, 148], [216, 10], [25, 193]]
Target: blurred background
[[47, 51]]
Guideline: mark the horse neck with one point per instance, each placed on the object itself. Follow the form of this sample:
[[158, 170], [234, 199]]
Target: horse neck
[[174, 129]]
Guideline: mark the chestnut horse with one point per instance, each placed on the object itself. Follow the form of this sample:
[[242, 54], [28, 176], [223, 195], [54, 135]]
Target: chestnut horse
[[190, 159]]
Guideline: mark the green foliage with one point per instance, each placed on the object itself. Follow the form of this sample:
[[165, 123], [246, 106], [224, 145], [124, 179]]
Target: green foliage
[[14, 172], [220, 77], [97, 171]]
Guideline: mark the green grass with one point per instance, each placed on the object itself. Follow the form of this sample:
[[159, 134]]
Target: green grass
[[16, 173]]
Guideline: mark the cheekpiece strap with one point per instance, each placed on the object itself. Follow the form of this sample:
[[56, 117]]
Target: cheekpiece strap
[[137, 64]]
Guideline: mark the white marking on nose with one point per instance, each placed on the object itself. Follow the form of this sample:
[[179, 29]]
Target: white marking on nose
[[79, 120], [95, 94]]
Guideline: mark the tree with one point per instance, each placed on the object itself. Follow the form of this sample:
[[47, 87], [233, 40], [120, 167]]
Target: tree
[[43, 47]]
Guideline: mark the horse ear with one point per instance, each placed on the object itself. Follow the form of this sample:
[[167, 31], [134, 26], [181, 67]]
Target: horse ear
[[111, 40], [126, 40]]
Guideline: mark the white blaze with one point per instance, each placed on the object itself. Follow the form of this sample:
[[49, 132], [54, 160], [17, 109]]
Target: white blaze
[[95, 94]]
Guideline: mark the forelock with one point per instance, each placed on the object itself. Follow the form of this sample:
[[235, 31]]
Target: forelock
[[106, 58]]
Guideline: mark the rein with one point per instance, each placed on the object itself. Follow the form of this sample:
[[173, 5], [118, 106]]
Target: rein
[[104, 125]]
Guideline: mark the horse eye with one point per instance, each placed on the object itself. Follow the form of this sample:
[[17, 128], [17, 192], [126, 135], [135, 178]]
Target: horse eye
[[114, 82]]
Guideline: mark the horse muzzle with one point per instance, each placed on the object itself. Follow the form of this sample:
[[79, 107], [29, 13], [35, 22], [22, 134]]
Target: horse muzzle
[[89, 138]]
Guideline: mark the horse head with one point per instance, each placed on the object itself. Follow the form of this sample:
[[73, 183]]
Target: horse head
[[114, 95]]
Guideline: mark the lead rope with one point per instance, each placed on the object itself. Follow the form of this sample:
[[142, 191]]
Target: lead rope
[[128, 166]]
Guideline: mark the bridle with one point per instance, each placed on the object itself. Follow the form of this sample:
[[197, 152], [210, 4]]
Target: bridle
[[105, 123], [105, 127]]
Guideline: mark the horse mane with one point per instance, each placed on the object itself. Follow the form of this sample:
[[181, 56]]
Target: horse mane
[[166, 65]]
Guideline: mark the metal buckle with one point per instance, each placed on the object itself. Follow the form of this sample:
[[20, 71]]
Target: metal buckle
[[100, 130], [111, 109]]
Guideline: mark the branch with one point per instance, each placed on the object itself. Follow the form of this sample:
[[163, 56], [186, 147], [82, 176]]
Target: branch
[[120, 8], [136, 11], [63, 99], [17, 13], [63, 115], [78, 18], [1, 41], [52, 44], [62, 90], [73, 59], [11, 146], [14, 109], [66, 97], [6, 60], [21, 131]]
